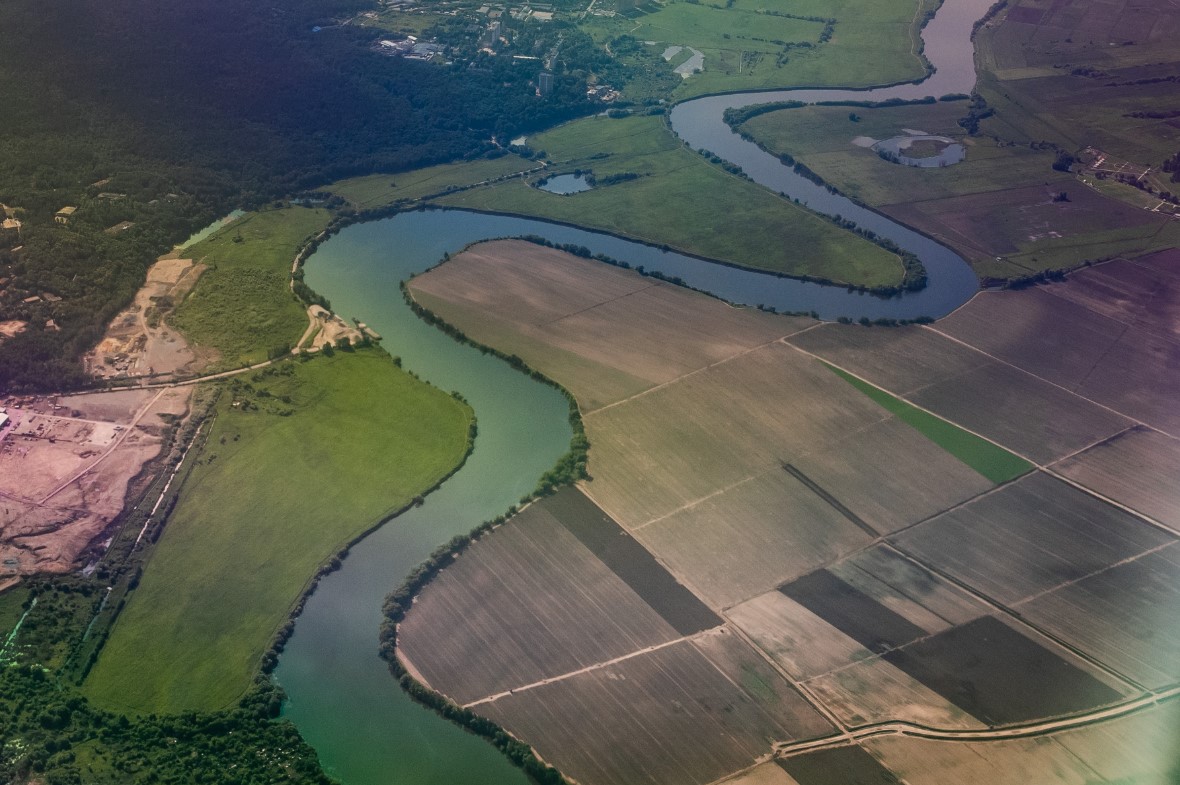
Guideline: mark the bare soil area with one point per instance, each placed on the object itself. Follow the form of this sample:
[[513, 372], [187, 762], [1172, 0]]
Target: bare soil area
[[66, 466], [138, 342]]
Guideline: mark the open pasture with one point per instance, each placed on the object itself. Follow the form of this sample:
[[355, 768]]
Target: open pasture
[[1137, 468], [602, 332], [242, 307], [526, 603], [1127, 616], [681, 200], [1028, 538], [313, 455], [675, 719]]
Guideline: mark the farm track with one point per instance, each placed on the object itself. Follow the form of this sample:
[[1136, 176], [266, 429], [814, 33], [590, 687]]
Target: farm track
[[1046, 727]]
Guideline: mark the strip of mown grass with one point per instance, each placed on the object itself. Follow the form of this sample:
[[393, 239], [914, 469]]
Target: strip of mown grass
[[301, 459], [242, 308], [993, 462]]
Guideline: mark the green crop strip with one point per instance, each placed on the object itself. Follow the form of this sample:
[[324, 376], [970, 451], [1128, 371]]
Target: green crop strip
[[990, 460]]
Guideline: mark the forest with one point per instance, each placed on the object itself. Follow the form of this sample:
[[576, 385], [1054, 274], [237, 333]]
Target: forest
[[166, 115]]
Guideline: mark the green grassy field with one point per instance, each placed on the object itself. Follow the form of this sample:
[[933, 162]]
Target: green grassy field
[[242, 306], [990, 460], [681, 200], [314, 454], [746, 42], [821, 137], [382, 189]]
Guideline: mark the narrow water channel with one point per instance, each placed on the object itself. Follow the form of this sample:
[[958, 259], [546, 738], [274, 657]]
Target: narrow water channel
[[341, 695]]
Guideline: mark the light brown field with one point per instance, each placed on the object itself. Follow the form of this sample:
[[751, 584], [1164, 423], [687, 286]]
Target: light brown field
[[875, 691], [763, 774], [604, 332], [803, 644], [1140, 748], [750, 538], [65, 473], [1017, 409], [675, 719], [1138, 468], [690, 427], [901, 360], [528, 603]]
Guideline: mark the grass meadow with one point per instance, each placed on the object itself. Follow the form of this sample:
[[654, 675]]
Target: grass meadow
[[681, 200], [242, 307], [312, 454]]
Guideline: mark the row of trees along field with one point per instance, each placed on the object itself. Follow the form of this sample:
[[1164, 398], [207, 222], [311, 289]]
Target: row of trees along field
[[168, 113], [50, 734]]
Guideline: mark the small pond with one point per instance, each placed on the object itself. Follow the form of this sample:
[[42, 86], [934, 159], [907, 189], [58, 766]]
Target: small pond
[[925, 151], [565, 184]]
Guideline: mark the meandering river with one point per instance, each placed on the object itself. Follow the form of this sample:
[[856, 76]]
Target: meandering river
[[341, 695]]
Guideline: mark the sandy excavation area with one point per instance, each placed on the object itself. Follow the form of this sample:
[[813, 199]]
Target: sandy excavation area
[[139, 342], [67, 464]]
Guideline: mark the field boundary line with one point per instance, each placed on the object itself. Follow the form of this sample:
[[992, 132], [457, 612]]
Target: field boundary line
[[598, 304], [703, 368], [1099, 571], [919, 407], [902, 728], [797, 685], [1016, 617], [1116, 504], [992, 357], [703, 499], [588, 669]]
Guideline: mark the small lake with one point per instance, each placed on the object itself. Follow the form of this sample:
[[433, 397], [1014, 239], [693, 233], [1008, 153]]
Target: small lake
[[565, 184], [902, 148]]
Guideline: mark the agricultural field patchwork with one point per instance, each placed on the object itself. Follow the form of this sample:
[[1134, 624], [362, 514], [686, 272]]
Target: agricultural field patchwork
[[943, 592], [1121, 360]]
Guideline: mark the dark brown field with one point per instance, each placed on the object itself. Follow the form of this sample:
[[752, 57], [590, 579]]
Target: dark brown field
[[1127, 616], [1028, 538], [1120, 357]]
